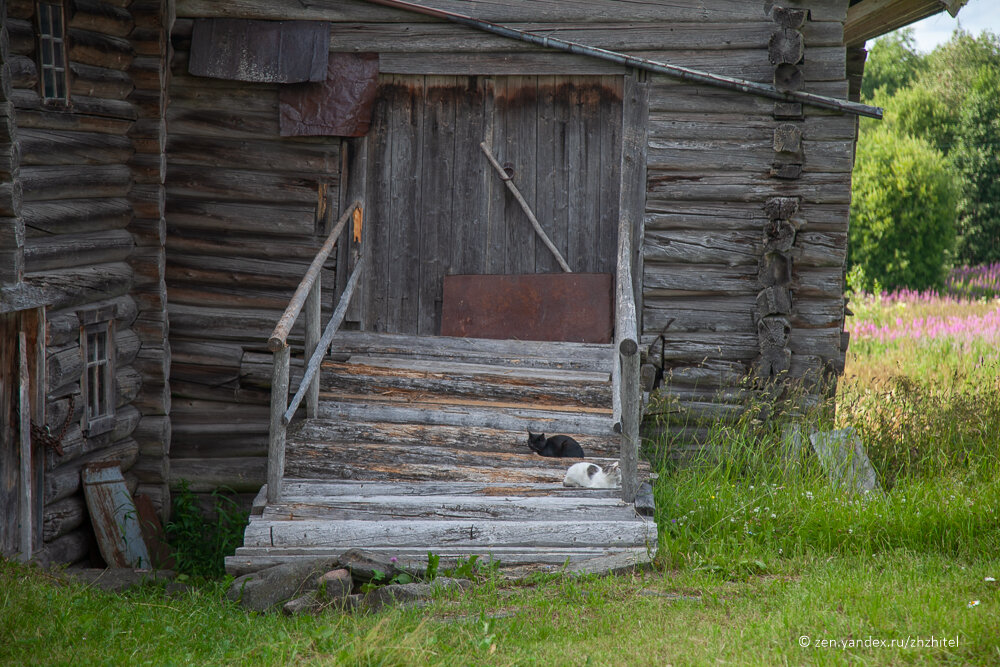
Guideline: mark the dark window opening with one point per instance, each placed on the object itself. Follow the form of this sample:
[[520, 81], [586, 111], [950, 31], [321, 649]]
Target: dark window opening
[[97, 382], [52, 60]]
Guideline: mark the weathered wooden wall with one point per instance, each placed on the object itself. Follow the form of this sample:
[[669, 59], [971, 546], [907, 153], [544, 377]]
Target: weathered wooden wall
[[746, 207], [242, 227], [76, 173]]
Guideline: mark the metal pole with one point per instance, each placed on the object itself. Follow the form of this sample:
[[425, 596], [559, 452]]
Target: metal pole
[[676, 71]]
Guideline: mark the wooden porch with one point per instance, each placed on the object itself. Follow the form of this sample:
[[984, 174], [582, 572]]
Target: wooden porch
[[419, 444]]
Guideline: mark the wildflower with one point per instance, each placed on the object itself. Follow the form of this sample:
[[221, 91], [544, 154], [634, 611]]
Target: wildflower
[[392, 560], [989, 579], [974, 603], [773, 515]]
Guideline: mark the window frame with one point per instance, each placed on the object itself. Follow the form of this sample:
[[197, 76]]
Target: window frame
[[46, 42], [97, 351]]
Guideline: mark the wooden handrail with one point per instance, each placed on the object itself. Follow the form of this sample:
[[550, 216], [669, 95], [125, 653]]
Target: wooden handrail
[[312, 366], [280, 335], [627, 395], [306, 294]]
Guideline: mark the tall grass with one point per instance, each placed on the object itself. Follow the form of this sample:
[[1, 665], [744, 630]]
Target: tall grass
[[926, 405]]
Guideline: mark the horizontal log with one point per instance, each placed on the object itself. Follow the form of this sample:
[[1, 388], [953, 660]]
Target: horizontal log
[[449, 38], [407, 463], [740, 248], [65, 251], [82, 216], [40, 119], [247, 326], [153, 398], [453, 533], [63, 516], [238, 217], [495, 64], [91, 81], [128, 382], [306, 490], [11, 198], [100, 50], [148, 71], [251, 272], [736, 313], [745, 155], [64, 480], [225, 123], [149, 263], [582, 11], [813, 188], [691, 279], [153, 435], [101, 17], [239, 185], [188, 245], [735, 127], [74, 287], [60, 147], [279, 155], [207, 475], [748, 216], [21, 35], [23, 71], [670, 95], [463, 438], [29, 100], [152, 470], [70, 182], [77, 445], [452, 507]]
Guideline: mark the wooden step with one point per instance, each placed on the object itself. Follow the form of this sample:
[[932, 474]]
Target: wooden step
[[306, 489], [524, 354], [264, 532], [453, 507], [468, 438], [477, 416], [416, 379], [253, 559], [386, 462]]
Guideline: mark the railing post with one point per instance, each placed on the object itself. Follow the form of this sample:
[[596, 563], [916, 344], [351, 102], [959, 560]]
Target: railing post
[[628, 355], [313, 326], [276, 441]]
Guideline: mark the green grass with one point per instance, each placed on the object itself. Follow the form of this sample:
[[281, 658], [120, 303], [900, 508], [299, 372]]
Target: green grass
[[754, 554]]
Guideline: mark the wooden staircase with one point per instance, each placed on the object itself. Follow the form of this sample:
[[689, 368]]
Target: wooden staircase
[[419, 445]]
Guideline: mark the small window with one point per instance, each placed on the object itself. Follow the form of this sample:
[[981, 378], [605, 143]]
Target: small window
[[97, 383], [52, 61]]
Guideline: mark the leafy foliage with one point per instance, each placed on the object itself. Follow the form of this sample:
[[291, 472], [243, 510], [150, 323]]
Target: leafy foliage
[[949, 99], [903, 220], [201, 543]]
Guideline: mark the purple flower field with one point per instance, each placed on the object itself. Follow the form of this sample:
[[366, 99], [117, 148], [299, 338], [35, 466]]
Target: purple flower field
[[967, 312]]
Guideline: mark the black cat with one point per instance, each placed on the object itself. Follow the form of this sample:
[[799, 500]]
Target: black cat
[[558, 445]]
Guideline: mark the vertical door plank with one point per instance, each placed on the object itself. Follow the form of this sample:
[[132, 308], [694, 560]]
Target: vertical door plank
[[379, 213], [437, 187], [610, 172], [25, 541], [520, 115], [496, 220], [9, 468], [470, 201]]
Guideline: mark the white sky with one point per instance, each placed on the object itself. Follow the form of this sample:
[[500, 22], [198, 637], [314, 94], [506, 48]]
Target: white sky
[[975, 17]]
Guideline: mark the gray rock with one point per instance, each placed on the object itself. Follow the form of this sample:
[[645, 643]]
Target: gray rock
[[307, 604], [408, 594], [262, 590], [364, 565], [335, 585]]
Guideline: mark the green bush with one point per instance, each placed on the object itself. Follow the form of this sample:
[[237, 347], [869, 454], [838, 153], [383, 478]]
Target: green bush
[[902, 229], [200, 542]]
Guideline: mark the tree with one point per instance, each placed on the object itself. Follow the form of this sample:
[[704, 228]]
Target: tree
[[902, 230], [893, 62], [977, 159]]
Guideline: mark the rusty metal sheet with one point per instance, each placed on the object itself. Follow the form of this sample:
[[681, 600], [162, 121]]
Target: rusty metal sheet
[[341, 106], [260, 51], [575, 307], [114, 516]]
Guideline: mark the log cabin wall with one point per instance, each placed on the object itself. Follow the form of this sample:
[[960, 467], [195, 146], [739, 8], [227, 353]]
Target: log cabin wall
[[11, 224], [746, 203], [76, 172], [244, 221]]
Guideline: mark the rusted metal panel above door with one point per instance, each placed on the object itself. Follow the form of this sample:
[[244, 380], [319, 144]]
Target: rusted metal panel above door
[[340, 106], [573, 307]]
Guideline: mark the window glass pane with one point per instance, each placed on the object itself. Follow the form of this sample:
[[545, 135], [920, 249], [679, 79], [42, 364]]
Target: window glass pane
[[57, 18], [58, 59], [44, 19], [92, 391]]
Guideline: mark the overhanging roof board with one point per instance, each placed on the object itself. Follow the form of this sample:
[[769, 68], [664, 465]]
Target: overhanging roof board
[[260, 51], [868, 19], [676, 71]]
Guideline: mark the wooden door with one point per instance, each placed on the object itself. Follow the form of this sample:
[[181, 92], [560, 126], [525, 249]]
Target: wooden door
[[435, 207], [20, 398]]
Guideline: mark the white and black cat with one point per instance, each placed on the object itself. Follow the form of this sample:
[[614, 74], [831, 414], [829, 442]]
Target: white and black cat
[[561, 446], [590, 475]]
